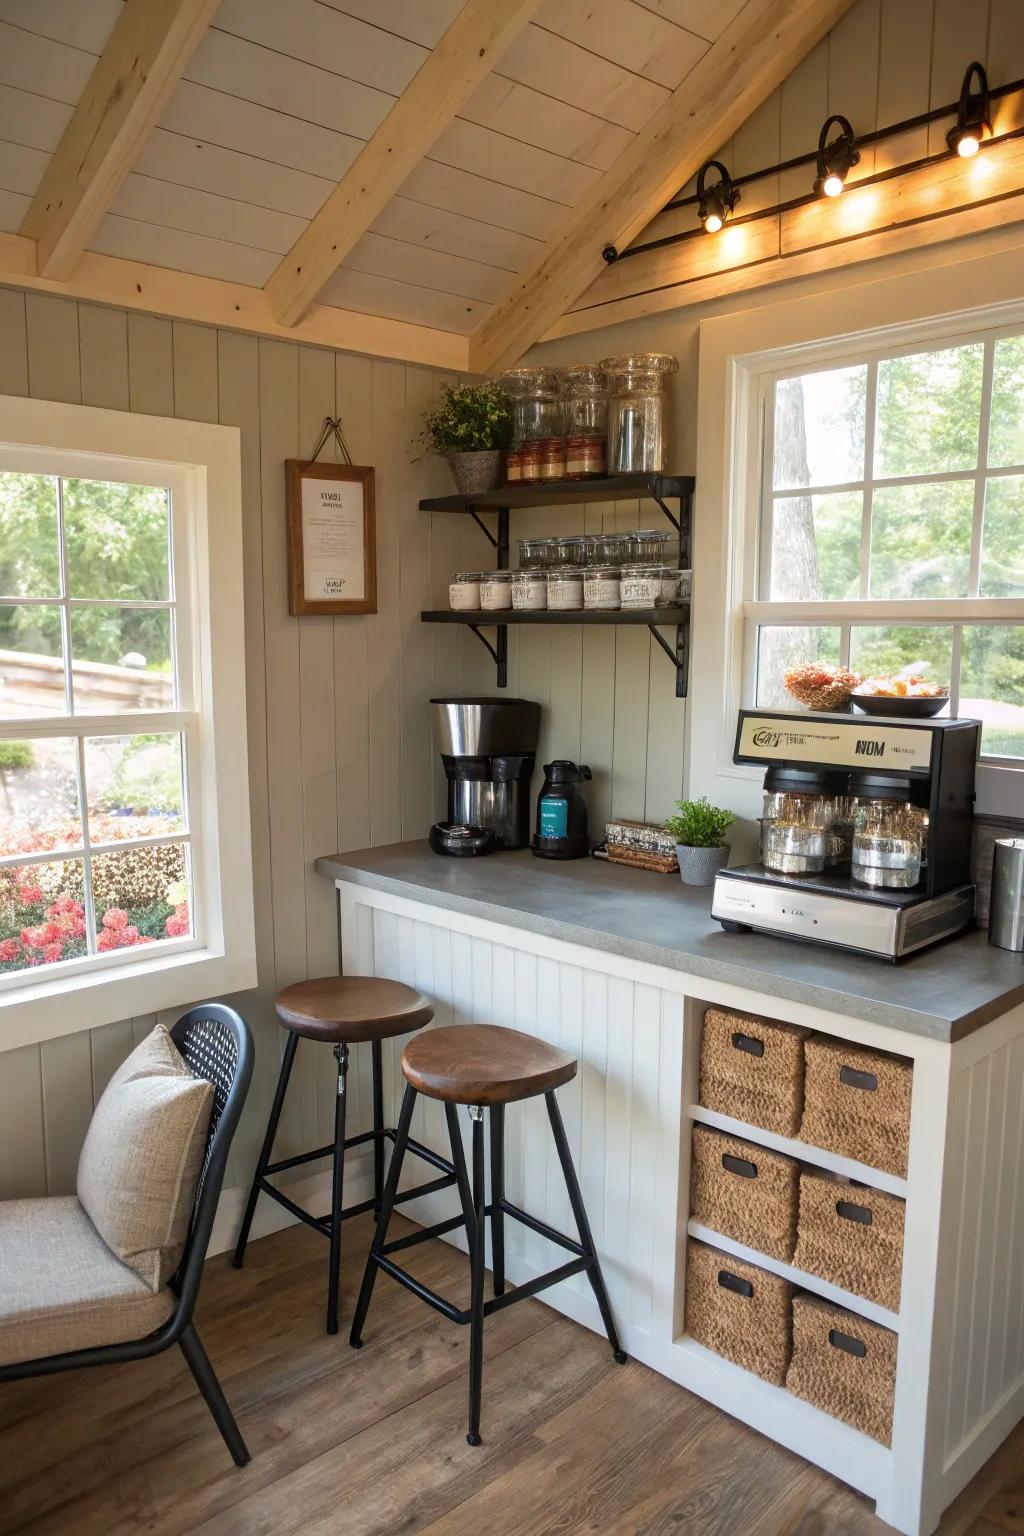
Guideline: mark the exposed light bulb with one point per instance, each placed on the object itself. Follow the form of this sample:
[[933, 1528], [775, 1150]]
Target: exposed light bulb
[[832, 186], [968, 145], [713, 223]]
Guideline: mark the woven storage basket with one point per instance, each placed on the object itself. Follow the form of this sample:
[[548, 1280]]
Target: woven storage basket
[[857, 1102], [852, 1236], [745, 1192], [753, 1070], [844, 1365], [739, 1311]]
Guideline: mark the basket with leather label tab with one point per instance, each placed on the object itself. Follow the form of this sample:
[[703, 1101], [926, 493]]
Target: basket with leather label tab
[[753, 1070], [857, 1103], [745, 1192], [844, 1365], [739, 1311], [852, 1236]]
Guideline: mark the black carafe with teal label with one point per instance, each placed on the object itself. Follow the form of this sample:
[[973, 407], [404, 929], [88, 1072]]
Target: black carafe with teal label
[[562, 812]]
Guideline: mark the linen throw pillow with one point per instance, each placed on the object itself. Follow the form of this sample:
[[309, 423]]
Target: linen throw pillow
[[142, 1156]]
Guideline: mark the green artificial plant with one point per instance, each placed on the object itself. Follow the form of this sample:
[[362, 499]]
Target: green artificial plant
[[469, 418], [699, 824]]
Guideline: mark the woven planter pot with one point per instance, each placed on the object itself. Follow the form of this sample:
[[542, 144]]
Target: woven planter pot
[[476, 472], [699, 866]]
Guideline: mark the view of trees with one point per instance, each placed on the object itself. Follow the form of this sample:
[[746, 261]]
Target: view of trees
[[928, 422]]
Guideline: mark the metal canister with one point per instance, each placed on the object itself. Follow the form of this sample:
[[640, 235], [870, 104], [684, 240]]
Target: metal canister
[[1006, 911]]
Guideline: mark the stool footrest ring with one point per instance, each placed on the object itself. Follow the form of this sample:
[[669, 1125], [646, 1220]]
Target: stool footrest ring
[[323, 1223]]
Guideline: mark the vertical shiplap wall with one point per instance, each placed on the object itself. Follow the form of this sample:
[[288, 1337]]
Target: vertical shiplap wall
[[340, 751]]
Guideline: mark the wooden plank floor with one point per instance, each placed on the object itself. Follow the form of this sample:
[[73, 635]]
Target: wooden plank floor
[[372, 1443]]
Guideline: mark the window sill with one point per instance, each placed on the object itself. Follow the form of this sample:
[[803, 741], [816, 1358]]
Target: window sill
[[64, 1005]]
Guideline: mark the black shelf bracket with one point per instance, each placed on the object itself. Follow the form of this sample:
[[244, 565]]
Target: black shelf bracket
[[474, 514], [678, 655], [677, 522], [499, 653]]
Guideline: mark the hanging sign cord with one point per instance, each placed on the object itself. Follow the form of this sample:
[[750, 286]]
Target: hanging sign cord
[[331, 427]]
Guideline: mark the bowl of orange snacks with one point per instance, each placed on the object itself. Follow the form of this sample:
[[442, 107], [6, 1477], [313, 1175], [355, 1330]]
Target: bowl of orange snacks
[[907, 696]]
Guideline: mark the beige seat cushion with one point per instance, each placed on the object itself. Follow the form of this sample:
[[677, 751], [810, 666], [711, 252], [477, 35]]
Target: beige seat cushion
[[61, 1288], [142, 1156]]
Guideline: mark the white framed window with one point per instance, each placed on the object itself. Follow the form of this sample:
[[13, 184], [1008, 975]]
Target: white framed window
[[123, 804], [872, 453]]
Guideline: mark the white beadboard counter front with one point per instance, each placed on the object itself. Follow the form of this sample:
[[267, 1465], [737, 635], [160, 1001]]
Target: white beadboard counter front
[[618, 966]]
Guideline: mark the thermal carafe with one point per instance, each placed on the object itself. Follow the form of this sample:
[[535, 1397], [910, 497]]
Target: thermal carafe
[[488, 748], [1006, 910]]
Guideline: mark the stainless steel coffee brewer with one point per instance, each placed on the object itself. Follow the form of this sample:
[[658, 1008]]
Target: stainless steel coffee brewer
[[866, 833], [488, 747]]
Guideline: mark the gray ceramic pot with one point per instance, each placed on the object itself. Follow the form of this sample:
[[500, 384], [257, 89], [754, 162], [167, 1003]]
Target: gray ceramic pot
[[476, 472], [699, 866]]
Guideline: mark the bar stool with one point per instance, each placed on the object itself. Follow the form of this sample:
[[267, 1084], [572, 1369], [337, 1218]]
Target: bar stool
[[344, 1011], [482, 1065]]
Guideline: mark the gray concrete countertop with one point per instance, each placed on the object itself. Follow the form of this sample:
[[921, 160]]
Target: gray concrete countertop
[[944, 993]]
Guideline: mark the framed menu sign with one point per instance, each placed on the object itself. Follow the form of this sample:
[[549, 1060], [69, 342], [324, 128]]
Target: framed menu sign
[[332, 564]]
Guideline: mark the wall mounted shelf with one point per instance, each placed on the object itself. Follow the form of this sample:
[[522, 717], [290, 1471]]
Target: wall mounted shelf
[[660, 488]]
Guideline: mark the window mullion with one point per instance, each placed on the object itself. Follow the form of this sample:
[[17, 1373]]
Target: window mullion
[[83, 807], [955, 664], [65, 613], [870, 412], [977, 524]]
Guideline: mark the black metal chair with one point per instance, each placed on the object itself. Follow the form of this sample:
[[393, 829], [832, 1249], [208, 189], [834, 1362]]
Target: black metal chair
[[217, 1045]]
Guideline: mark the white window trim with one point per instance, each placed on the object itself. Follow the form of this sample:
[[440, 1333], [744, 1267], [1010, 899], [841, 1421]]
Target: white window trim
[[203, 463], [735, 352]]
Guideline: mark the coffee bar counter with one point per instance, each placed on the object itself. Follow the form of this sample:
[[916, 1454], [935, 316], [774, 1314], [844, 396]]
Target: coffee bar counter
[[627, 970]]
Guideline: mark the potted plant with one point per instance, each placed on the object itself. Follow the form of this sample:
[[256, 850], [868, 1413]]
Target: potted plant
[[471, 426], [699, 831]]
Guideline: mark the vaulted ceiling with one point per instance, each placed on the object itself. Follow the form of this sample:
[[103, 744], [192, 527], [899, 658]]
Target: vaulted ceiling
[[422, 178]]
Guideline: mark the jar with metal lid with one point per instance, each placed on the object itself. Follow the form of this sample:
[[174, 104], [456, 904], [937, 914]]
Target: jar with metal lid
[[601, 587], [640, 586], [534, 397], [496, 590], [530, 589], [646, 546], [565, 587], [536, 554], [583, 400], [636, 410], [464, 591], [584, 457], [570, 550]]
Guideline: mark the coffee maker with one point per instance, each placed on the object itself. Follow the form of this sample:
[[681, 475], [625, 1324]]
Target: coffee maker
[[872, 849], [488, 748]]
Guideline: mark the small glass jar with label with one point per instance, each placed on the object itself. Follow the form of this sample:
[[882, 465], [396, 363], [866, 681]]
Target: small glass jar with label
[[496, 590], [641, 586], [530, 589], [552, 458], [464, 592], [601, 587], [565, 588]]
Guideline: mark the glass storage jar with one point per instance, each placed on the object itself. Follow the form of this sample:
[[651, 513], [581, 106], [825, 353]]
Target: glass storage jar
[[551, 453], [609, 548], [464, 591], [793, 848], [565, 587], [601, 587], [530, 589], [887, 845], [496, 590], [536, 554], [669, 594], [584, 457], [685, 585], [570, 550], [534, 398], [583, 400], [646, 546], [636, 410], [641, 586]]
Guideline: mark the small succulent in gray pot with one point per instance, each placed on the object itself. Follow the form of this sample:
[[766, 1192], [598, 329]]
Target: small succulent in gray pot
[[699, 828], [471, 426]]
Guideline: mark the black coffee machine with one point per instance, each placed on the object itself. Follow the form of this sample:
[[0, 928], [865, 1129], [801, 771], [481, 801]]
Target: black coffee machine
[[488, 747]]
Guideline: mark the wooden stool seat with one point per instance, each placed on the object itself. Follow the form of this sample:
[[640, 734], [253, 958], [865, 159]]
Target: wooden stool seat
[[484, 1064], [348, 1009]]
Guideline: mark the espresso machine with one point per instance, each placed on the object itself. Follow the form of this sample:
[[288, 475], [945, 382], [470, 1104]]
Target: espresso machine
[[866, 836], [488, 748]]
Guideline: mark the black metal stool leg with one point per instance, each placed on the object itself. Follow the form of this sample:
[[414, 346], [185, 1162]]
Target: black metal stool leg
[[268, 1145], [378, 1126], [337, 1187], [497, 1128], [477, 1260], [387, 1205], [583, 1225]]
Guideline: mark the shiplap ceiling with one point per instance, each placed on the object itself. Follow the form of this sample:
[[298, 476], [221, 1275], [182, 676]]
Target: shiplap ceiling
[[281, 96]]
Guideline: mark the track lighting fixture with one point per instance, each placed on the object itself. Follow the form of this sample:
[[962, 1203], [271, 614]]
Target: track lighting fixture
[[836, 159], [715, 203], [972, 119]]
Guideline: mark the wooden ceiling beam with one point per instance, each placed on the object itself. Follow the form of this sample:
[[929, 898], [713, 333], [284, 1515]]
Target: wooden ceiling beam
[[140, 66], [465, 55], [754, 54]]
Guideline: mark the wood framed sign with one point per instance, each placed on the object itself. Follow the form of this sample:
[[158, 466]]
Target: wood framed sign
[[332, 557]]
